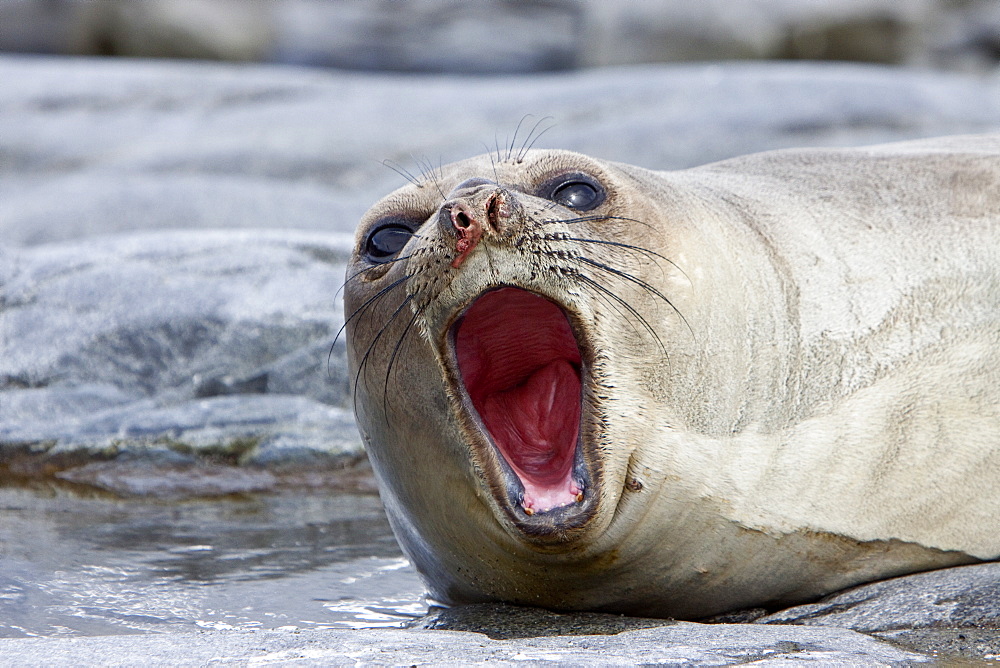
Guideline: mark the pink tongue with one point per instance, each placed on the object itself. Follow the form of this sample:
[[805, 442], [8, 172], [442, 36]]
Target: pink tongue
[[521, 367], [538, 429]]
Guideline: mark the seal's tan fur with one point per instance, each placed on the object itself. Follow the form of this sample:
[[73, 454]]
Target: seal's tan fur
[[825, 409]]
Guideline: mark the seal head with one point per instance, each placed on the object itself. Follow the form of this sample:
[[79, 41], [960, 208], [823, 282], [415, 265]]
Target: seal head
[[490, 274]]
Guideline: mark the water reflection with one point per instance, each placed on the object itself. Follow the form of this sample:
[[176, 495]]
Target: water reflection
[[92, 565]]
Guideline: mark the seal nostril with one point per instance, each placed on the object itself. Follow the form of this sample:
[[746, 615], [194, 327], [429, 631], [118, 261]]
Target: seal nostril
[[494, 210], [468, 231]]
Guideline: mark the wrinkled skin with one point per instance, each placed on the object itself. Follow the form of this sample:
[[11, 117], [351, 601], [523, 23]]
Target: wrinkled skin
[[793, 387]]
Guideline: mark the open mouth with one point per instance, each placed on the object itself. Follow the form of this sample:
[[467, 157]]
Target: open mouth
[[520, 364]]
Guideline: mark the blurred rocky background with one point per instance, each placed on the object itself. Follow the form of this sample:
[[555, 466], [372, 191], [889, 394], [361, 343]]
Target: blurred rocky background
[[510, 36]]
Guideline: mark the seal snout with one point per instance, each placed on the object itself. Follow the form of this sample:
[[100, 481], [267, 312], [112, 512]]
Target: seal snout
[[473, 207]]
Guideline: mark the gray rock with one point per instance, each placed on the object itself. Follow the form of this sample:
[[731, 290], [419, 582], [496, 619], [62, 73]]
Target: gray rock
[[96, 146], [507, 622], [244, 429], [213, 446], [134, 478], [680, 643], [961, 596], [180, 311], [949, 611], [174, 349], [53, 405]]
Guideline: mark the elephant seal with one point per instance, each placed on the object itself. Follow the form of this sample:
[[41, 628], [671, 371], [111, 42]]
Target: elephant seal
[[588, 386]]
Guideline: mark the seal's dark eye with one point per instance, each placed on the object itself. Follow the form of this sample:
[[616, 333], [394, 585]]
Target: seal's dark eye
[[385, 241], [575, 191]]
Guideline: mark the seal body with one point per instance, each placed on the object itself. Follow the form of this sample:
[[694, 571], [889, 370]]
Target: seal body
[[588, 386]]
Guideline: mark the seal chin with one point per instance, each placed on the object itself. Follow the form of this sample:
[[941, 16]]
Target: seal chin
[[520, 366]]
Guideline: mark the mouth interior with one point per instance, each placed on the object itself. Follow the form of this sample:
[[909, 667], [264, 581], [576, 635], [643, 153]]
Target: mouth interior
[[521, 367]]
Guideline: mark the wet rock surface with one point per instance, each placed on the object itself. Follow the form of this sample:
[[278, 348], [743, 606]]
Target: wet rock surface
[[678, 644], [951, 614], [508, 622], [954, 611]]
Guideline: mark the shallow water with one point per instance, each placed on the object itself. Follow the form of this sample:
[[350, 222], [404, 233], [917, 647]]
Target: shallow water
[[75, 564]]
